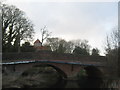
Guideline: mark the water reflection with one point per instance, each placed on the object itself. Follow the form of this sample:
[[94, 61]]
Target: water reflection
[[111, 83], [88, 82], [60, 84]]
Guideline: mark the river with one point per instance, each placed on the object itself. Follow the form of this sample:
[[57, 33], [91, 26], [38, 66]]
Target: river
[[86, 82]]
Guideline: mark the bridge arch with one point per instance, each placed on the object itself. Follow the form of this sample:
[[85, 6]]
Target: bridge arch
[[61, 72], [93, 72]]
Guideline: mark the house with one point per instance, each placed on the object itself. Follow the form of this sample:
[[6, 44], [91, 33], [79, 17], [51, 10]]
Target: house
[[37, 43], [39, 47]]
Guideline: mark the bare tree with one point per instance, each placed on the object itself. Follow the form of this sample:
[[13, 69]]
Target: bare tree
[[112, 51], [112, 40], [44, 34]]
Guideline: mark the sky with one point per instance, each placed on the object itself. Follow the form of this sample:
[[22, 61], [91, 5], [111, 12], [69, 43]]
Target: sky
[[72, 20]]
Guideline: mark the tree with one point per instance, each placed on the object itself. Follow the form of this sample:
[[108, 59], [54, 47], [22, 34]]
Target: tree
[[95, 52], [69, 47], [60, 45], [61, 48], [81, 47], [113, 50], [44, 34], [112, 40], [53, 43], [15, 27], [80, 51], [26, 47]]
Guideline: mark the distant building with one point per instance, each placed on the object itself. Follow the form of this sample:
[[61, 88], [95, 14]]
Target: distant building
[[39, 47], [37, 43]]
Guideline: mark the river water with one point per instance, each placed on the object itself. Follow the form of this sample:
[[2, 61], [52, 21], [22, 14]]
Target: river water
[[86, 82]]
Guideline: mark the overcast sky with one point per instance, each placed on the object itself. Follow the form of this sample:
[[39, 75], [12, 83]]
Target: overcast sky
[[72, 20]]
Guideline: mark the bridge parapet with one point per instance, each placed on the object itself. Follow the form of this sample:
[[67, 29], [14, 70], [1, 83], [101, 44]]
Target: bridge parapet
[[50, 56]]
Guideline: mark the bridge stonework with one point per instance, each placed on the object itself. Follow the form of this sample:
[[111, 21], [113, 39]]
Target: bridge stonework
[[67, 70]]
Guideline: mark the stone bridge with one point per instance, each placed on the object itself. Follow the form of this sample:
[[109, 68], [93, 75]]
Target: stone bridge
[[66, 65]]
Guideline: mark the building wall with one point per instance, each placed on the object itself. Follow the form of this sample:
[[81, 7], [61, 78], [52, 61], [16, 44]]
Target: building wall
[[37, 44]]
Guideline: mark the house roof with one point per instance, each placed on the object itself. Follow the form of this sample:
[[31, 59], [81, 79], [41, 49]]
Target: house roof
[[37, 41]]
